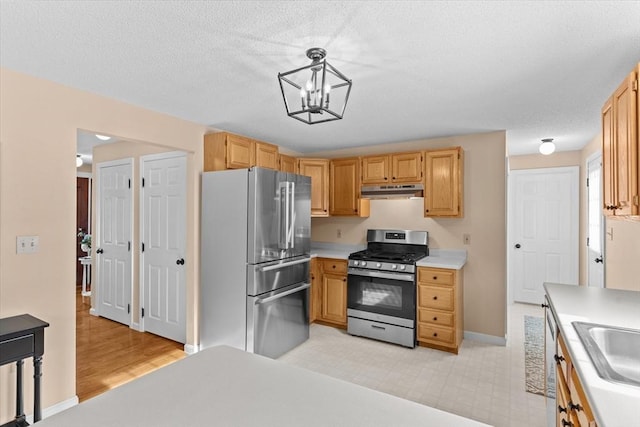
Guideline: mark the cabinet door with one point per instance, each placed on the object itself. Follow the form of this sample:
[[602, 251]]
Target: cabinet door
[[345, 186], [406, 167], [318, 170], [626, 145], [375, 169], [288, 164], [443, 183], [315, 303], [266, 155], [608, 154], [334, 298], [240, 152]]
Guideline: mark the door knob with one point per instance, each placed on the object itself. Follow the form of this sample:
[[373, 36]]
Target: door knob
[[180, 261], [599, 259], [517, 245], [99, 250]]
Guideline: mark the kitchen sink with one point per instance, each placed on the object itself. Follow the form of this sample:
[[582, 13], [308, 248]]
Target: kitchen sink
[[615, 352]]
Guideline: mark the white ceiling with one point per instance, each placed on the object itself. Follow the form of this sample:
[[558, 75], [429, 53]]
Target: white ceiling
[[419, 69]]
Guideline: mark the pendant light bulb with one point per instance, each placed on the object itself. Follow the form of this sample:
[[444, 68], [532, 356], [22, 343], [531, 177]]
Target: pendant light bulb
[[547, 147]]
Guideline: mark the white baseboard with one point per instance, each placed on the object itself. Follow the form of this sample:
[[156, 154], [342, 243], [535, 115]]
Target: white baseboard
[[58, 407], [489, 339], [135, 326], [93, 311], [191, 348]]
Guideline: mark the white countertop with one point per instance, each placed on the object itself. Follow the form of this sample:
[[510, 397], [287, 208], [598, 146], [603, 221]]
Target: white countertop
[[444, 258], [439, 258], [613, 404], [228, 387]]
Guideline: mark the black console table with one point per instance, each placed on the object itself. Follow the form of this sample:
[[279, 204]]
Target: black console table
[[22, 337]]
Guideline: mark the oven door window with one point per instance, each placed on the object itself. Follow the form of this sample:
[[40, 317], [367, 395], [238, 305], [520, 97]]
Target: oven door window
[[382, 296]]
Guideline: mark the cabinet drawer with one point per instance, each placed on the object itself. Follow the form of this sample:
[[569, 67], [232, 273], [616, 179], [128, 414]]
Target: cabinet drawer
[[334, 266], [581, 407], [17, 348], [436, 276], [436, 317], [435, 333], [562, 396], [435, 297]]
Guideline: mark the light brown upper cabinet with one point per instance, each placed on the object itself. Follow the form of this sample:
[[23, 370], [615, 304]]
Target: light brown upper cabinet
[[620, 147], [392, 168], [344, 179], [443, 175], [288, 164], [318, 170], [266, 155], [225, 150]]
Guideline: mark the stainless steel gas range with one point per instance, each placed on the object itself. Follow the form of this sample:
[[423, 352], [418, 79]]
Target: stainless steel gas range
[[381, 286]]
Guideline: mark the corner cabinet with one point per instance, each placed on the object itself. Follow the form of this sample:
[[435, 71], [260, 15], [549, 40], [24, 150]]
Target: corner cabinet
[[315, 294], [344, 193], [318, 170], [440, 308], [287, 164], [620, 147], [443, 187]]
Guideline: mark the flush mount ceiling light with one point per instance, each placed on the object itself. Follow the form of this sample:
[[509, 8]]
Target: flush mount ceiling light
[[547, 147], [317, 92], [79, 161], [103, 137]]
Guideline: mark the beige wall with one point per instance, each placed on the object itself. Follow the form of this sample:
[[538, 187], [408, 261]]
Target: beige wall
[[39, 121], [484, 219]]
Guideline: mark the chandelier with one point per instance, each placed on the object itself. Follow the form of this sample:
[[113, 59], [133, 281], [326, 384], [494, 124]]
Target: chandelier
[[317, 92]]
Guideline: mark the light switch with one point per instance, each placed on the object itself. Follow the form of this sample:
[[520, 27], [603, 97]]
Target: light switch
[[27, 244]]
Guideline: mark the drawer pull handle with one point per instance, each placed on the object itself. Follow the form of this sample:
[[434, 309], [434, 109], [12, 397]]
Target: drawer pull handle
[[435, 297], [435, 318], [435, 334], [566, 423], [561, 409], [558, 359], [435, 277], [575, 407]]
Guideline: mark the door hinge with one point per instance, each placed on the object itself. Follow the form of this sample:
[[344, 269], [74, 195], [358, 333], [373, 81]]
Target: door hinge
[[635, 200], [143, 181], [128, 246], [129, 182], [128, 308], [142, 312], [587, 182], [587, 241], [635, 85], [142, 246]]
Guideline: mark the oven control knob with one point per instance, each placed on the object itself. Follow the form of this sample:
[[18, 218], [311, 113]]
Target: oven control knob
[[363, 263], [402, 267], [393, 266], [378, 265], [356, 263]]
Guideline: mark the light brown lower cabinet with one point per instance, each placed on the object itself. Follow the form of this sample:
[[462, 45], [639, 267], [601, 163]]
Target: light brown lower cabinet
[[329, 292], [440, 308], [573, 409]]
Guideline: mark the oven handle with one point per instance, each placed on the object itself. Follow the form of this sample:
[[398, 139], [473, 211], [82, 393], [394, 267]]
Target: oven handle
[[283, 294], [380, 274]]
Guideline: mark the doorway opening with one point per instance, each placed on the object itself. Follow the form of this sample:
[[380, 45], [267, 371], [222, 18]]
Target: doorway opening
[[595, 223]]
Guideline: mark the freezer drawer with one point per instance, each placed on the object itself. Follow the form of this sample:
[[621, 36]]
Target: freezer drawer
[[267, 277], [278, 321]]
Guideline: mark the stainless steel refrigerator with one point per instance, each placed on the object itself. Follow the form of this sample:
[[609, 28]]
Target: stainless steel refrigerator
[[255, 244]]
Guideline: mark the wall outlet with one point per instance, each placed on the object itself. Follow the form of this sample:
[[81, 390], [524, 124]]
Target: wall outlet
[[27, 244], [466, 239], [339, 233]]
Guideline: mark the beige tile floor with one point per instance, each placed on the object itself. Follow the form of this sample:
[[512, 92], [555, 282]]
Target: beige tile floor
[[484, 382]]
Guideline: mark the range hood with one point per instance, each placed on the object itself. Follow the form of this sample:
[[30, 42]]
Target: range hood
[[399, 191]]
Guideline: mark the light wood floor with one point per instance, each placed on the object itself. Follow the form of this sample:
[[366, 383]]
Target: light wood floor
[[109, 354]]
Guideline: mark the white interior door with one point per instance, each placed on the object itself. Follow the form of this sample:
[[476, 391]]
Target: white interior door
[[113, 290], [543, 218], [163, 230], [595, 228]]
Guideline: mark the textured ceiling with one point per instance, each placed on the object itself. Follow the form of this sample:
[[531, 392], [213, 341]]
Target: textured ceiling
[[419, 69]]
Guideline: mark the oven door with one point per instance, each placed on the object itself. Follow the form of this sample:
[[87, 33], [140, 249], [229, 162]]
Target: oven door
[[382, 294]]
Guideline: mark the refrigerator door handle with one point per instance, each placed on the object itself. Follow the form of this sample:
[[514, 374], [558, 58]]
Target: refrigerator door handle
[[292, 216], [283, 294], [283, 212], [285, 264]]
